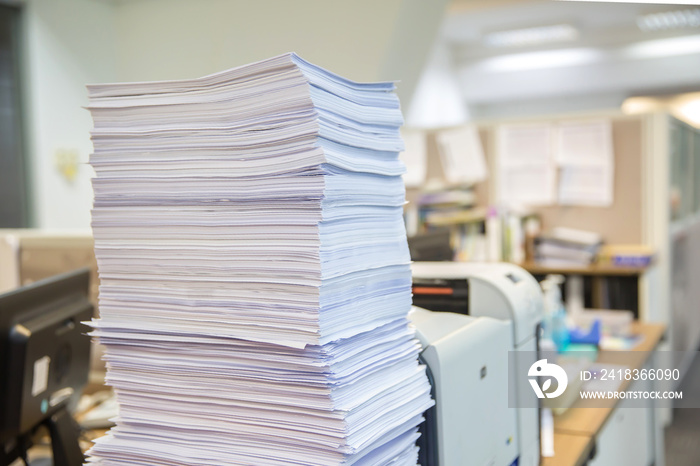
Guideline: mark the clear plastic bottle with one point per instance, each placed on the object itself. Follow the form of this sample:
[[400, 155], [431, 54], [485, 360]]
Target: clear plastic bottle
[[554, 322], [546, 285]]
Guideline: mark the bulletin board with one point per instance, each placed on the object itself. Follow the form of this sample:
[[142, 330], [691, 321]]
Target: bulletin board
[[620, 222]]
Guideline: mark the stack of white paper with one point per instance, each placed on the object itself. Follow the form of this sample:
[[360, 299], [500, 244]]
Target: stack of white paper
[[254, 270]]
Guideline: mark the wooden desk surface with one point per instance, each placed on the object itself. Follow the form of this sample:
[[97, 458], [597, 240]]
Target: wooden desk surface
[[581, 418], [576, 429], [569, 450]]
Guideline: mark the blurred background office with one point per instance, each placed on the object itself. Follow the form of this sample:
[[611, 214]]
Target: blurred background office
[[457, 62], [562, 136]]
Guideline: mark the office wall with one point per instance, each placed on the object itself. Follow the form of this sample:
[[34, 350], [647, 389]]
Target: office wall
[[364, 40], [67, 43]]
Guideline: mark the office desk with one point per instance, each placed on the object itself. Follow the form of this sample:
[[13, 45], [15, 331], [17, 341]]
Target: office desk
[[570, 450], [575, 431]]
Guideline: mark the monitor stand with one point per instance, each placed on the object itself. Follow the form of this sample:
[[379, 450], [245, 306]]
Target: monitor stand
[[64, 439], [64, 432]]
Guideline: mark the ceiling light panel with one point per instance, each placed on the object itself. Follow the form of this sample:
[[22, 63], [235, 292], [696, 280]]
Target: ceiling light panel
[[532, 36], [664, 20]]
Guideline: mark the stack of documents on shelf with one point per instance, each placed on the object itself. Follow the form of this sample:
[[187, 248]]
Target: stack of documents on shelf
[[255, 276], [567, 247], [445, 207]]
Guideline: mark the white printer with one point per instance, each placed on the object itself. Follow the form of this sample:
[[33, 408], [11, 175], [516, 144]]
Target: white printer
[[500, 291], [469, 378]]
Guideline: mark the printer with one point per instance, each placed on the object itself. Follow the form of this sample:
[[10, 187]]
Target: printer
[[500, 292], [469, 379]]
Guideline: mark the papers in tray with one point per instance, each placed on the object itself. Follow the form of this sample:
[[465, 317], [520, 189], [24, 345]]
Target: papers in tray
[[254, 270]]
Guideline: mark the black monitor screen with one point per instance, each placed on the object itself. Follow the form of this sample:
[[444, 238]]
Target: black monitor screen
[[44, 351]]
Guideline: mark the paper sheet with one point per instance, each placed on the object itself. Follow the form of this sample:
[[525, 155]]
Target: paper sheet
[[525, 145], [527, 173], [585, 156], [547, 433], [583, 185], [584, 143], [527, 186], [462, 155]]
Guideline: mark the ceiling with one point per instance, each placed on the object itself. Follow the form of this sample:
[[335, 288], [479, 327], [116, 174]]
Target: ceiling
[[604, 57]]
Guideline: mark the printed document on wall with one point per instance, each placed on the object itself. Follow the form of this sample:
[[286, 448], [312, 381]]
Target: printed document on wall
[[414, 157], [585, 156], [462, 155], [527, 172]]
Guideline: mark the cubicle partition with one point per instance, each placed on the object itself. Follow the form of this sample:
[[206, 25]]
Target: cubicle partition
[[655, 201]]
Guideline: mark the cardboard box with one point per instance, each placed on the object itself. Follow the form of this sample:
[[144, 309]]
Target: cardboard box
[[29, 255]]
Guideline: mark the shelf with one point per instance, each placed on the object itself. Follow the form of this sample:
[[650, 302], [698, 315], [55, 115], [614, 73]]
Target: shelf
[[459, 218], [594, 269]]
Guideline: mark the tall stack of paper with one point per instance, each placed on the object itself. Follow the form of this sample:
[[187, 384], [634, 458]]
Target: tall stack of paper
[[255, 276]]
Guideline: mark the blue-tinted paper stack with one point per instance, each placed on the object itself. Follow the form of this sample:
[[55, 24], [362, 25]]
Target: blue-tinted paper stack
[[254, 270]]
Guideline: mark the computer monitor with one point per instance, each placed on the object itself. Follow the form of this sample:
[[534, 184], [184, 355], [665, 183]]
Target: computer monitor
[[44, 364], [432, 246]]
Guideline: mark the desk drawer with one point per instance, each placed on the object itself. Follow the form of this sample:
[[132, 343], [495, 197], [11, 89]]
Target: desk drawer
[[626, 439]]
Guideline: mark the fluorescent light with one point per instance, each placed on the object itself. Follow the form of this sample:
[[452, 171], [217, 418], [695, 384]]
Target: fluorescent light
[[675, 19], [658, 48], [539, 60], [683, 106], [635, 105], [691, 111], [531, 36]]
